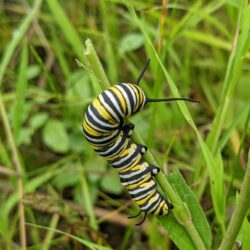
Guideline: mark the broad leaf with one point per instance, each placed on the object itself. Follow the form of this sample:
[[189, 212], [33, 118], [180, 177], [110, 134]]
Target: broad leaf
[[55, 136]]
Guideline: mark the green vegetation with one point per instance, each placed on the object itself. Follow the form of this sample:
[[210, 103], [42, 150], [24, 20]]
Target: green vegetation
[[55, 190]]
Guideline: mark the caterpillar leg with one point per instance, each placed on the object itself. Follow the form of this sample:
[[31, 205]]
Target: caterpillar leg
[[134, 216], [128, 128], [142, 149], [154, 170]]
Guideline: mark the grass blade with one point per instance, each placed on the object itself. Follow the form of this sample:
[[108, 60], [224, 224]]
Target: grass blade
[[232, 74], [20, 93], [18, 35], [84, 242], [67, 28]]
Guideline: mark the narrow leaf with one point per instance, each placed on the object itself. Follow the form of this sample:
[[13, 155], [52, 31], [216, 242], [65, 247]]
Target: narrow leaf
[[21, 90], [177, 232]]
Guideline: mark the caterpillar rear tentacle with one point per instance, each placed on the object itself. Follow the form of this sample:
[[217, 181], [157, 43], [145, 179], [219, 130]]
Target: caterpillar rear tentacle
[[144, 218], [134, 216], [105, 129]]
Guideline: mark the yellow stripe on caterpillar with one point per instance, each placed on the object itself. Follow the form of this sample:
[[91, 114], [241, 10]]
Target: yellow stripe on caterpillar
[[138, 158], [138, 184], [144, 200], [121, 98], [103, 112]]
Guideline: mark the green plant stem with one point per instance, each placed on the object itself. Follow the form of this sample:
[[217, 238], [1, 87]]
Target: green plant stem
[[95, 65], [87, 201], [181, 211], [18, 167], [239, 212]]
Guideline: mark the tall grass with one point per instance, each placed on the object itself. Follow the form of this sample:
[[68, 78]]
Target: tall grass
[[66, 194]]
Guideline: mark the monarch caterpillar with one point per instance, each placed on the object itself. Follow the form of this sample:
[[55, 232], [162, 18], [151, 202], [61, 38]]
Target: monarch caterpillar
[[105, 129]]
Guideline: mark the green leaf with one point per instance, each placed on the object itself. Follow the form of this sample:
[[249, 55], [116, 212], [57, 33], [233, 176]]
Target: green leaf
[[95, 168], [111, 183], [33, 71], [55, 136], [76, 142], [38, 120], [245, 234], [67, 178], [177, 232], [235, 3], [131, 42], [24, 136]]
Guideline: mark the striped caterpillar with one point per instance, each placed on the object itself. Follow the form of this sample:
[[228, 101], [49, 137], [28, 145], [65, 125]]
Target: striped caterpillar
[[105, 129]]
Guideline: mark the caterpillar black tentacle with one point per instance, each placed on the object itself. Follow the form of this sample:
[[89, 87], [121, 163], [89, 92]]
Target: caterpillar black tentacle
[[144, 217], [134, 216], [105, 129], [142, 73]]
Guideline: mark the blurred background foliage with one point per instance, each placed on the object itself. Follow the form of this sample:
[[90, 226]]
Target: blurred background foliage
[[46, 86]]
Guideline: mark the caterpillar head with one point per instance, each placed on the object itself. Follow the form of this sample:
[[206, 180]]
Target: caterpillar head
[[165, 207], [136, 99], [139, 98], [131, 98], [146, 100]]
